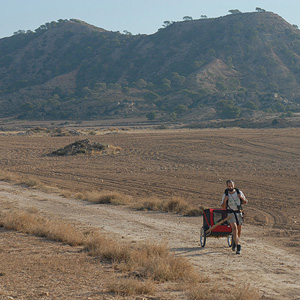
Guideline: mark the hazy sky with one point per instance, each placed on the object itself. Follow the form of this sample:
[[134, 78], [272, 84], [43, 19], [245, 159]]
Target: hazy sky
[[135, 16]]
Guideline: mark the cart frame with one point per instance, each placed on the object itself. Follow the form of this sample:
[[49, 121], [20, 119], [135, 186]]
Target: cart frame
[[215, 224]]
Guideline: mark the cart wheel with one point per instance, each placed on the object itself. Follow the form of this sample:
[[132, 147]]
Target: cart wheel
[[229, 240], [202, 237]]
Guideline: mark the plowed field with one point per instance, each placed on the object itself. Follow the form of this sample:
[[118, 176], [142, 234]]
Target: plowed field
[[192, 164]]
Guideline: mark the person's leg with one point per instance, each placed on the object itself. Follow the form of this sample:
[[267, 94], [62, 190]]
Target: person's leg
[[239, 230], [235, 236], [238, 246]]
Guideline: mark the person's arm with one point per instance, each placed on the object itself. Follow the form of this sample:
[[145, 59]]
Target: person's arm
[[243, 198], [224, 201]]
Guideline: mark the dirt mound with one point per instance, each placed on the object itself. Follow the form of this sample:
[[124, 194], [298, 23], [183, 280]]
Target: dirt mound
[[84, 147]]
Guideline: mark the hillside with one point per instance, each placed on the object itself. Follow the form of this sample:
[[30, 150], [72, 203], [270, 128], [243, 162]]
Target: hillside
[[240, 65]]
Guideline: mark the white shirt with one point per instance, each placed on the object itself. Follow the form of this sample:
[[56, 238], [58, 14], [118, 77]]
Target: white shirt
[[233, 200]]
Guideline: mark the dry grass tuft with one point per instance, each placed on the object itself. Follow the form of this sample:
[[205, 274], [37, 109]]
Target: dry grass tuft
[[30, 182], [175, 205], [131, 286], [200, 292], [66, 193], [245, 292], [194, 211], [106, 249], [27, 181], [152, 203], [105, 197], [149, 261], [34, 224], [157, 262], [6, 176], [212, 292]]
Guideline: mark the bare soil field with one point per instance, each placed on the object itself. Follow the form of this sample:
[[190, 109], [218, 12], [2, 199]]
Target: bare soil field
[[192, 164]]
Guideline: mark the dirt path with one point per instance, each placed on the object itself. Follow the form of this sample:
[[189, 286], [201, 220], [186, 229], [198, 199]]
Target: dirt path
[[274, 271]]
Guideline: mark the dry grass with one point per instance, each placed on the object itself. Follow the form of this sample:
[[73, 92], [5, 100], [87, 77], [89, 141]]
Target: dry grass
[[214, 291], [245, 292], [144, 263], [112, 150], [105, 197], [107, 249], [173, 205], [27, 181], [31, 223], [130, 286], [150, 261], [157, 262], [151, 203], [194, 211]]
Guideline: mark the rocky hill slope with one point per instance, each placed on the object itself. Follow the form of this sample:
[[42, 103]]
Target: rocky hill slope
[[233, 66]]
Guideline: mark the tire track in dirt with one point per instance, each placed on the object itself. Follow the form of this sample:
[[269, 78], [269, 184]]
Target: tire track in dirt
[[269, 220], [121, 184]]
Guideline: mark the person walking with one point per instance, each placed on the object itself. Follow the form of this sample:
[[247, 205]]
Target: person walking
[[232, 200]]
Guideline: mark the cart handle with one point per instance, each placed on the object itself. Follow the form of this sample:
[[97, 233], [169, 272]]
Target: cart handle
[[216, 225]]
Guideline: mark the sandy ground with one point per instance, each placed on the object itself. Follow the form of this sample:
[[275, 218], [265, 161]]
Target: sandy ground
[[272, 270], [36, 268], [193, 164]]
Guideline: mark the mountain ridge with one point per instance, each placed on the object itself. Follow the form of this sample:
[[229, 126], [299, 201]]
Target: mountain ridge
[[236, 64]]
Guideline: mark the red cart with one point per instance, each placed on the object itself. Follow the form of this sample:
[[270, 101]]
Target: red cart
[[215, 224]]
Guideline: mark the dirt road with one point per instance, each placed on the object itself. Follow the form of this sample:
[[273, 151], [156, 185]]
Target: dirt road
[[264, 264]]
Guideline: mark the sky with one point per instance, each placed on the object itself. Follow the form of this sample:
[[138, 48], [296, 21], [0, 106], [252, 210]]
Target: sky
[[135, 16]]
